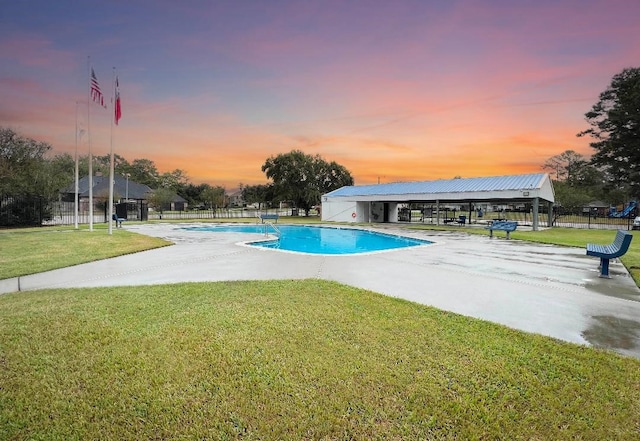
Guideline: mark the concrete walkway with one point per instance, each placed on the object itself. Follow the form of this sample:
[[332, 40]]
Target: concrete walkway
[[537, 288]]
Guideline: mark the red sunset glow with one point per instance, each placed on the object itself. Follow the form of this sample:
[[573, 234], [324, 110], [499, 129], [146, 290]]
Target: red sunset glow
[[394, 91]]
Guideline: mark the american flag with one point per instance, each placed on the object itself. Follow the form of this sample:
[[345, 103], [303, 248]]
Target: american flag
[[96, 93]]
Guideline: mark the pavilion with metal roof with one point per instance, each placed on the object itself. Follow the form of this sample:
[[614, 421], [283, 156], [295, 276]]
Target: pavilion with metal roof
[[381, 202]]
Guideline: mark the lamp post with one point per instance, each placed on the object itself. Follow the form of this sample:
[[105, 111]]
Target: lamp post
[[126, 196]]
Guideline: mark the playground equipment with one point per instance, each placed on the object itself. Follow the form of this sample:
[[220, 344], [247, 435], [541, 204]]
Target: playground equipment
[[613, 212]]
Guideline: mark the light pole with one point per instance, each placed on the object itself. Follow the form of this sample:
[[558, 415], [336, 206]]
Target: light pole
[[126, 196]]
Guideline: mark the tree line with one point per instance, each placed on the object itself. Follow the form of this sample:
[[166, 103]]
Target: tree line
[[30, 170], [612, 173]]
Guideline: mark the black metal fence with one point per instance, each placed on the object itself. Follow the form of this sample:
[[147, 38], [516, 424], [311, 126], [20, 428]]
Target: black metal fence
[[25, 211], [35, 211], [222, 213], [593, 219], [585, 217]]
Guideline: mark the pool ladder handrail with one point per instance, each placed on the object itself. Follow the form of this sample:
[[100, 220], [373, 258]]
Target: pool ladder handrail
[[270, 224]]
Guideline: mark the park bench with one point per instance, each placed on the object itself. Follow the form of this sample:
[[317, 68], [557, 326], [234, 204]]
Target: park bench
[[118, 220], [461, 220], [606, 252], [507, 226], [266, 216]]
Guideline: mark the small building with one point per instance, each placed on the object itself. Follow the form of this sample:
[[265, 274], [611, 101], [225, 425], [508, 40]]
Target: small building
[[123, 190], [178, 203], [383, 202], [235, 199], [596, 208], [130, 198]]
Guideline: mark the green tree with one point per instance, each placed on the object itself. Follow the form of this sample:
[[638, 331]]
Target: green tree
[[577, 182], [23, 170], [213, 197], [160, 199], [192, 193], [102, 164], [144, 171], [176, 180], [571, 198], [303, 178], [574, 169], [332, 176], [258, 194], [60, 173], [615, 129]]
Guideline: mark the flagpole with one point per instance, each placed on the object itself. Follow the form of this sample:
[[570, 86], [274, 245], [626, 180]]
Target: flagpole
[[89, 142], [75, 205], [111, 161]]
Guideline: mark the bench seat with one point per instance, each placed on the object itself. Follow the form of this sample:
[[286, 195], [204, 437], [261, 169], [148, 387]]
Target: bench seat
[[607, 252], [507, 226], [118, 220], [267, 216], [461, 220]]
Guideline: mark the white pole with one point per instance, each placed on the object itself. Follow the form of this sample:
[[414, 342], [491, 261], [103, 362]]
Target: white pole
[[75, 202], [77, 177], [111, 162], [89, 142]]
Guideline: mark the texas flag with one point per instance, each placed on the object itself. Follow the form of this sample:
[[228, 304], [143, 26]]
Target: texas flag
[[116, 108]]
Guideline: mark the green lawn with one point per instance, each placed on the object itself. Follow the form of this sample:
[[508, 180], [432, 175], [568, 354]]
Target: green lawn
[[33, 250], [292, 360]]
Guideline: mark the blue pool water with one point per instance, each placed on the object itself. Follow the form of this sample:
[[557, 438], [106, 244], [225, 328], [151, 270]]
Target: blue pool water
[[320, 240]]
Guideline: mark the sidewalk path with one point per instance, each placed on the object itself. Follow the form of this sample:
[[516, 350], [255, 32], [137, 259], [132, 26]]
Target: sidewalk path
[[538, 288]]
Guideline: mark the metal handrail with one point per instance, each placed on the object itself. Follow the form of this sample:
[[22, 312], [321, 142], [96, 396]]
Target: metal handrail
[[267, 224]]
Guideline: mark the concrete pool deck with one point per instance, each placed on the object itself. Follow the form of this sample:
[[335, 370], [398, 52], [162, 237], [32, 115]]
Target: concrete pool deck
[[544, 289]]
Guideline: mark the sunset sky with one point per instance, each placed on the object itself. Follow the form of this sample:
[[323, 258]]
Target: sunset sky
[[393, 90]]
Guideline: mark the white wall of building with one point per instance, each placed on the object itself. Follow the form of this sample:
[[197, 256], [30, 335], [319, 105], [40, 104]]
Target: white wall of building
[[339, 211], [393, 212], [352, 211]]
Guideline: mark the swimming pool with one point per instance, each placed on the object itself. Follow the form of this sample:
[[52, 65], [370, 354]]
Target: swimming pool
[[318, 240]]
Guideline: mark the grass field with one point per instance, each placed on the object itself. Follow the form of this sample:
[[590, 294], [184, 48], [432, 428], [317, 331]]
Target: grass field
[[285, 360], [292, 360], [33, 250]]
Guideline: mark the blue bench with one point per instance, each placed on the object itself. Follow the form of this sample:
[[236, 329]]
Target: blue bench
[[267, 216], [606, 252], [462, 219], [507, 226], [118, 220]]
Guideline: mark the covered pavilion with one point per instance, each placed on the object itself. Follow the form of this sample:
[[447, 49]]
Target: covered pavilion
[[381, 202]]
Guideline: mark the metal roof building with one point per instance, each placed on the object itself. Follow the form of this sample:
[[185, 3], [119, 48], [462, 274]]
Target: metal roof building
[[379, 203]]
